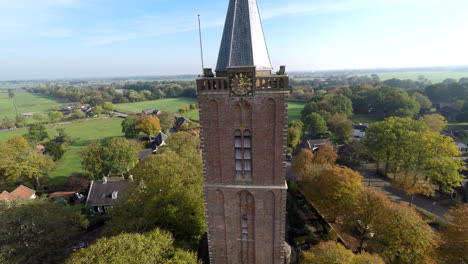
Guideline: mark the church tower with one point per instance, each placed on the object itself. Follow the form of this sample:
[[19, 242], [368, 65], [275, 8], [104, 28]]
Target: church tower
[[243, 114]]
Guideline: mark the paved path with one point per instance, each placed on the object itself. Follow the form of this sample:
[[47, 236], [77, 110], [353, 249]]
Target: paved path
[[437, 205]]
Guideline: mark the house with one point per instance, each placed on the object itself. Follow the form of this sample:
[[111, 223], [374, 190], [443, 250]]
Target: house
[[151, 112], [180, 121], [22, 192], [159, 140], [462, 147], [104, 194], [314, 144], [6, 196], [359, 130]]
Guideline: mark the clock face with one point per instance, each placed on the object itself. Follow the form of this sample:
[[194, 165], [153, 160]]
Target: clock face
[[241, 84]]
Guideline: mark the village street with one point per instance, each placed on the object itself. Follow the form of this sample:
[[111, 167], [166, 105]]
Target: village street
[[438, 205]]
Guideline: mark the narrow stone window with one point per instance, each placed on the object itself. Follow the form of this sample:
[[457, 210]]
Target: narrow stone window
[[243, 155]]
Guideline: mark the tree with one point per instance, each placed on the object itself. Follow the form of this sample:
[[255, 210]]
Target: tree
[[108, 107], [308, 109], [315, 124], [334, 190], [19, 143], [167, 120], [63, 138], [54, 150], [455, 236], [149, 125], [326, 155], [341, 127], [332, 252], [20, 120], [77, 114], [47, 232], [294, 133], [130, 127], [98, 110], [39, 117], [423, 101], [36, 133], [7, 122], [302, 162], [402, 236], [11, 93], [92, 160], [55, 116], [119, 156], [343, 105], [435, 122], [168, 194], [155, 247], [383, 139]]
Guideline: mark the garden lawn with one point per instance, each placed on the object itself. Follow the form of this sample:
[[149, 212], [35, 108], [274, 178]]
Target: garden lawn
[[82, 133], [170, 105], [26, 103], [294, 110]]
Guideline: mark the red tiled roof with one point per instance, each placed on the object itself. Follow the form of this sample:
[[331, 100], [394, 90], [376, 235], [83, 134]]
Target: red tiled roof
[[23, 192], [60, 194], [6, 196], [40, 147]]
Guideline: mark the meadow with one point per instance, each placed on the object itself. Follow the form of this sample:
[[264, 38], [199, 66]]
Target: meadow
[[82, 133], [26, 103], [433, 76]]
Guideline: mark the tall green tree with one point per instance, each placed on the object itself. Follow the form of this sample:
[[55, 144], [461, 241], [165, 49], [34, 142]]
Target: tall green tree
[[308, 109], [343, 105], [294, 133], [36, 133], [93, 160], [55, 116], [168, 194], [38, 231], [166, 119], [341, 127], [130, 127], [154, 247], [119, 156], [315, 124]]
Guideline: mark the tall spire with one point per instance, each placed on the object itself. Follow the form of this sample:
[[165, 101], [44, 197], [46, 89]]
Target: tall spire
[[243, 42]]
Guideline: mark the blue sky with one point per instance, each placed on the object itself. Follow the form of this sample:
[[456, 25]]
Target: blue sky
[[107, 38]]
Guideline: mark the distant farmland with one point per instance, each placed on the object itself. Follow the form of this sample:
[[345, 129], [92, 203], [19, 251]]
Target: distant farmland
[[26, 103]]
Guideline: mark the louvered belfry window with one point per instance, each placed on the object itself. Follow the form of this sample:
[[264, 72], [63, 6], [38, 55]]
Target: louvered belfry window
[[243, 154]]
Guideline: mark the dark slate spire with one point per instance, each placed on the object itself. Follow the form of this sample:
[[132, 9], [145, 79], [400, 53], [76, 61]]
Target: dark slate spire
[[243, 42]]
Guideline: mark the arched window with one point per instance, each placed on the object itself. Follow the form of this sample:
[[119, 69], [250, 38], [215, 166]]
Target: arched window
[[243, 154]]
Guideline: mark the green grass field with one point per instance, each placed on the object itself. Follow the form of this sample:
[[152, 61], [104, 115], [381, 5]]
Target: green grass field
[[26, 103], [171, 105], [294, 110], [433, 76], [82, 134]]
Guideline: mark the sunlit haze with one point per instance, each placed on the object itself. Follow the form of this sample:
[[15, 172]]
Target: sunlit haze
[[104, 38]]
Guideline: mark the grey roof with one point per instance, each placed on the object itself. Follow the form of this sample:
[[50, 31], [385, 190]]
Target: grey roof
[[159, 140], [243, 42], [101, 194], [142, 154]]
